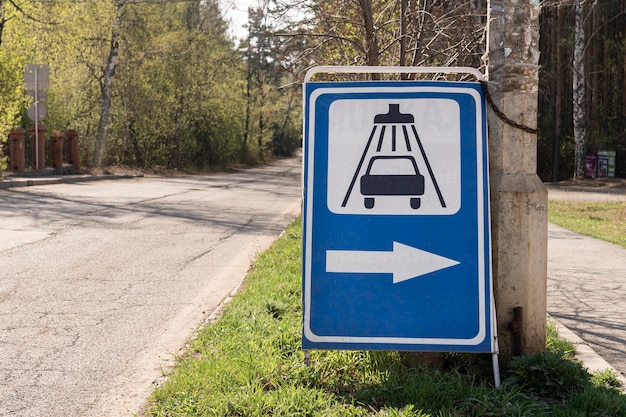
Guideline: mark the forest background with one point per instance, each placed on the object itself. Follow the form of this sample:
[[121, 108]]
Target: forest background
[[163, 83]]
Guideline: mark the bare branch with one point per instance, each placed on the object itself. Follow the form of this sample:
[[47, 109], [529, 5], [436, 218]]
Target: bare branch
[[28, 15]]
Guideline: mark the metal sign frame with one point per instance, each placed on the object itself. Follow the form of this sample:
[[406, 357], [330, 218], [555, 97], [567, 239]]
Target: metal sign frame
[[337, 221]]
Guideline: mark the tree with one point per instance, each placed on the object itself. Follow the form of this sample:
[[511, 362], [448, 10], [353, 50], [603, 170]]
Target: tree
[[362, 32], [3, 17], [258, 57], [181, 82], [580, 111], [578, 80], [272, 106], [143, 82], [106, 82], [12, 98]]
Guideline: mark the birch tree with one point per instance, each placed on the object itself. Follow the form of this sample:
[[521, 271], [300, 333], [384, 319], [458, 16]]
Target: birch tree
[[106, 83], [582, 101], [578, 82]]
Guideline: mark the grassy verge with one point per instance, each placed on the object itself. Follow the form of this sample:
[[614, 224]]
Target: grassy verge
[[249, 363], [606, 221]]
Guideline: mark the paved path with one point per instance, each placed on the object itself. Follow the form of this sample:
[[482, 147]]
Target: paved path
[[587, 282]]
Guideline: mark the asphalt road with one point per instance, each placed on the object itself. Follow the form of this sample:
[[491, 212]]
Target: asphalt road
[[101, 283]]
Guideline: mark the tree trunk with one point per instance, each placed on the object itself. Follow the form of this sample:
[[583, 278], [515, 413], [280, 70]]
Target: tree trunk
[[623, 26], [578, 85], [106, 87], [372, 54], [558, 118], [2, 18], [246, 131], [402, 63], [608, 109]]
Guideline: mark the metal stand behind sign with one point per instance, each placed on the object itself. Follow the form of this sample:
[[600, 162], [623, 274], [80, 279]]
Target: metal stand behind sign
[[400, 200]]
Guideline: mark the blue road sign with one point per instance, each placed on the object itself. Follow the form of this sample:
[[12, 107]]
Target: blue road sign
[[396, 252]]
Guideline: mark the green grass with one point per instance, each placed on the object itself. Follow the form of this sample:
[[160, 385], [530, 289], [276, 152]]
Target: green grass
[[606, 221], [249, 363]]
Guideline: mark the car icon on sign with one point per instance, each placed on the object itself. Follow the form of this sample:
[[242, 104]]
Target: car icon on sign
[[392, 175]]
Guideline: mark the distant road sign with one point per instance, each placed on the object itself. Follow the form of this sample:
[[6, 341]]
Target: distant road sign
[[37, 112], [37, 77], [396, 217], [40, 95]]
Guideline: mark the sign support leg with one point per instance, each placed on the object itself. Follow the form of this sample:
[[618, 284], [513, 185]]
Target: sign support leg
[[495, 348], [496, 369], [36, 120]]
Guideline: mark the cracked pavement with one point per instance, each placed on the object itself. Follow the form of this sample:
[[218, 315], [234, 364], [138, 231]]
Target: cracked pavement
[[101, 283]]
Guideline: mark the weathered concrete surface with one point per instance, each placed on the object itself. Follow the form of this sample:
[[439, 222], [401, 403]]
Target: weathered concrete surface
[[519, 231], [101, 283], [518, 198]]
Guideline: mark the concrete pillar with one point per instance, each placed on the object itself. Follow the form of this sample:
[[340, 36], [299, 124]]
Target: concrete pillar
[[72, 142], [16, 150], [519, 201], [38, 147], [56, 149]]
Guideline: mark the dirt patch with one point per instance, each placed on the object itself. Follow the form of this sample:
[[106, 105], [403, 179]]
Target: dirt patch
[[608, 185], [160, 171], [122, 170]]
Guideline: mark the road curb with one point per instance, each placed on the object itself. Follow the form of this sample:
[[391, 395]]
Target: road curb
[[584, 353]]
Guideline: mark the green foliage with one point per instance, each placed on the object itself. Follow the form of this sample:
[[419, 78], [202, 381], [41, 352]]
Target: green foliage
[[249, 363], [556, 344], [12, 98], [606, 379], [178, 90], [595, 401], [182, 102], [272, 108], [547, 374]]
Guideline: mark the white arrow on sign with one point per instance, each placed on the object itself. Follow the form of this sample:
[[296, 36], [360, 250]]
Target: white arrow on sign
[[404, 262]]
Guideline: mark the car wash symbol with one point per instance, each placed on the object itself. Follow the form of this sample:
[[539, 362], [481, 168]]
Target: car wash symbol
[[392, 168]]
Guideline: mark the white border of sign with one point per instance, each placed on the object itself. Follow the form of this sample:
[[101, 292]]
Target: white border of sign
[[480, 336]]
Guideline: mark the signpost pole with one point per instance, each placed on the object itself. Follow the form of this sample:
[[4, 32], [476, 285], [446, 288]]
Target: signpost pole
[[36, 167], [36, 80], [495, 361]]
